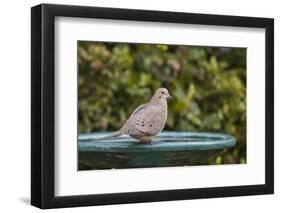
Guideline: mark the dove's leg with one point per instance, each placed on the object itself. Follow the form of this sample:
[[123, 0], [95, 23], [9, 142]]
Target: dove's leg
[[145, 139], [154, 140]]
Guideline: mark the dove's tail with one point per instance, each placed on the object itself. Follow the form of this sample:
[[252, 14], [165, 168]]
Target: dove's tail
[[114, 134]]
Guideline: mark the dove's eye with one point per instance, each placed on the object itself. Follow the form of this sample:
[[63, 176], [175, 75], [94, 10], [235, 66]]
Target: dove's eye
[[162, 92]]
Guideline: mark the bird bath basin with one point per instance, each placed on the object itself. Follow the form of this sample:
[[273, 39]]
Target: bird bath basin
[[171, 149]]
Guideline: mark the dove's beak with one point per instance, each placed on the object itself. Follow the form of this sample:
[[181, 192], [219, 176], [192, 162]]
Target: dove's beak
[[169, 97]]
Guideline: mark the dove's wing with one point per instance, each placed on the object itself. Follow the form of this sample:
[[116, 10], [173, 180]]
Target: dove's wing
[[139, 108], [145, 120]]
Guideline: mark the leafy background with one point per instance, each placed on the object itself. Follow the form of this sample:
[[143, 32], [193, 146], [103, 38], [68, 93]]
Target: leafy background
[[208, 85]]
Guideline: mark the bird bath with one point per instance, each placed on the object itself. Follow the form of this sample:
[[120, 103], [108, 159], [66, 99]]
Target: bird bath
[[171, 149]]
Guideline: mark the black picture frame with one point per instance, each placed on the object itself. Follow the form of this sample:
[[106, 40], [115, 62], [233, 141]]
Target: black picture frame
[[43, 102]]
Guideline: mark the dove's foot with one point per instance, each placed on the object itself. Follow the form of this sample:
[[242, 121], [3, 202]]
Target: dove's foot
[[150, 141], [145, 142], [145, 139], [154, 140]]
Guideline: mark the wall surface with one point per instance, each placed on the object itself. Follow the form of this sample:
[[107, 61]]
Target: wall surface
[[15, 106]]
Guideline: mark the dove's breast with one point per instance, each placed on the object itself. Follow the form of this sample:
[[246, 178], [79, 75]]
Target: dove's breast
[[157, 119]]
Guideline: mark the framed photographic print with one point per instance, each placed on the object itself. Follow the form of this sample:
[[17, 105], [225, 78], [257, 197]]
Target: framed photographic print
[[140, 106]]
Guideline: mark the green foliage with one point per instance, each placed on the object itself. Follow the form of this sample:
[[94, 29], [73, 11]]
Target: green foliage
[[208, 85]]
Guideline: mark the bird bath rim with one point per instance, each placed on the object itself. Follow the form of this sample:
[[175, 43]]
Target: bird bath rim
[[167, 141]]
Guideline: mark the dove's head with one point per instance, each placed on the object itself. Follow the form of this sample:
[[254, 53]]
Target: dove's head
[[161, 94]]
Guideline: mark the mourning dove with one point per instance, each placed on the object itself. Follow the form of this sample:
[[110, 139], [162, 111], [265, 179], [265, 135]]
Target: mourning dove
[[147, 120]]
